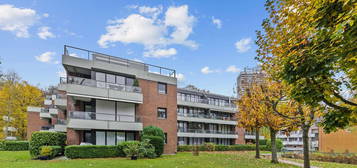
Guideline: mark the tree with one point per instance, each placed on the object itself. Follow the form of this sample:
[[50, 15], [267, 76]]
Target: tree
[[311, 46], [263, 96], [249, 116], [15, 97]]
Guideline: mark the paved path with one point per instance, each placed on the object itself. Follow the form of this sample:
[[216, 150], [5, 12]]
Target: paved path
[[294, 163]]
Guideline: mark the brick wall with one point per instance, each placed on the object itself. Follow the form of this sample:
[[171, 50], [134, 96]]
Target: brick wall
[[148, 111], [74, 137], [34, 123], [240, 139]]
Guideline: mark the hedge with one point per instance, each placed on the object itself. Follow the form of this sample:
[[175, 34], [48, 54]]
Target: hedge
[[39, 139], [185, 148], [122, 145], [348, 158], [15, 145], [2, 145], [91, 151], [157, 142], [279, 144], [51, 151]]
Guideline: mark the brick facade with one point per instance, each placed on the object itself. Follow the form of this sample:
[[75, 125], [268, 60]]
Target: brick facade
[[35, 123], [74, 137], [240, 139], [148, 111]]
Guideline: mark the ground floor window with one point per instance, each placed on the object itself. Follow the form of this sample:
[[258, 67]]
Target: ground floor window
[[201, 141], [104, 137]]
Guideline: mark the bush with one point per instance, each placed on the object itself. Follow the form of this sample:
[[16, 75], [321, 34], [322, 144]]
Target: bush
[[51, 151], [239, 147], [157, 142], [263, 141], [153, 131], [147, 149], [39, 139], [2, 145], [91, 151], [209, 146], [15, 145], [279, 145], [132, 149]]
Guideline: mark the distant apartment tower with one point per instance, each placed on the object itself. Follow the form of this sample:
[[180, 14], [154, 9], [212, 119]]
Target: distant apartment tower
[[105, 100], [292, 142], [205, 117]]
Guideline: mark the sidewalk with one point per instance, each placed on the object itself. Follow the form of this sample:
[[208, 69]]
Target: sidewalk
[[268, 156]]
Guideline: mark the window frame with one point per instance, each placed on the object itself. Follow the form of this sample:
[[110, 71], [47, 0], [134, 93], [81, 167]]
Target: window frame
[[159, 113], [158, 88]]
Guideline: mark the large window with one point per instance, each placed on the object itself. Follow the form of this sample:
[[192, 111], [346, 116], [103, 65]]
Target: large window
[[162, 88], [110, 78], [107, 137], [162, 113]]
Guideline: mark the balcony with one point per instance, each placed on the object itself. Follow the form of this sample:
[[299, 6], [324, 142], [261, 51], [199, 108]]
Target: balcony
[[61, 125], [47, 102], [83, 87], [105, 121], [206, 119], [200, 133], [45, 113], [205, 103], [61, 100], [292, 143], [86, 59], [251, 136], [53, 111]]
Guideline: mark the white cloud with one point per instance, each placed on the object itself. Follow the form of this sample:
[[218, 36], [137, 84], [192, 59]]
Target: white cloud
[[243, 45], [180, 77], [207, 70], [179, 18], [74, 55], [217, 22], [17, 20], [153, 33], [137, 60], [46, 57], [44, 33], [232, 69], [160, 53]]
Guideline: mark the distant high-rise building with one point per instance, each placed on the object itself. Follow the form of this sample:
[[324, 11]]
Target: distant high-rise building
[[247, 77]]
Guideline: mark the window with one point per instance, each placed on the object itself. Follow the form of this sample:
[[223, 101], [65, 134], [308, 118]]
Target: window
[[120, 80], [165, 138], [162, 88], [110, 78], [161, 113], [129, 81], [100, 76]]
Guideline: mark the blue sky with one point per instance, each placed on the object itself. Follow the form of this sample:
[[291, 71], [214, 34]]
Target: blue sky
[[205, 41]]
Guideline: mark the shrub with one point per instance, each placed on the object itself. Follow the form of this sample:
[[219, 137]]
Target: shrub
[[239, 147], [147, 149], [91, 151], [132, 149], [51, 151], [157, 142], [39, 139], [153, 131], [279, 145], [2, 144], [209, 146], [15, 145], [263, 141]]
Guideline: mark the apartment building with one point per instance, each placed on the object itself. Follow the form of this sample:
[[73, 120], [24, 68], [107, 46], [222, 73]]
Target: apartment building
[[205, 117], [105, 100], [292, 142]]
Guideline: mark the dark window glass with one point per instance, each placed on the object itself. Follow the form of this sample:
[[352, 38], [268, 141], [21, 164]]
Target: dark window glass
[[162, 88], [165, 138], [161, 113]]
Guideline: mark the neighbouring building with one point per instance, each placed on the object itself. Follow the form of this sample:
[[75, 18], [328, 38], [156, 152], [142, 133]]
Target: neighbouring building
[[340, 141], [292, 142], [205, 117]]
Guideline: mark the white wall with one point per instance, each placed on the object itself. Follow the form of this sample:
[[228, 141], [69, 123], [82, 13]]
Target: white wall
[[126, 111], [105, 107]]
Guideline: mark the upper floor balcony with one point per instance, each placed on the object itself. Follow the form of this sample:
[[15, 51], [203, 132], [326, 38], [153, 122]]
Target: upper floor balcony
[[105, 121], [206, 118], [205, 103], [77, 86], [74, 57]]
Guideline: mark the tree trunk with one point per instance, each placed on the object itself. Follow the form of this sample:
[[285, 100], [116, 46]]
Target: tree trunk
[[305, 139], [274, 156], [257, 150]]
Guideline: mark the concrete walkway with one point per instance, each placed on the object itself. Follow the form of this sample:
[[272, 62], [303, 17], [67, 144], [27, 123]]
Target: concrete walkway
[[294, 163]]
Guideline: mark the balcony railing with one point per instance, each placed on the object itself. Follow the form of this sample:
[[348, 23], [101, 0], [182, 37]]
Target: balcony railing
[[103, 116], [45, 110], [205, 131], [207, 116], [61, 122], [87, 54], [99, 84], [205, 101]]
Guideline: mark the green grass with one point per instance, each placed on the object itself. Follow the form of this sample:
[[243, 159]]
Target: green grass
[[22, 159], [325, 164], [205, 160]]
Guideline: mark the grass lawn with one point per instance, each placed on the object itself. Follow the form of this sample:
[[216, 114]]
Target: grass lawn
[[205, 160], [325, 164], [183, 159]]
